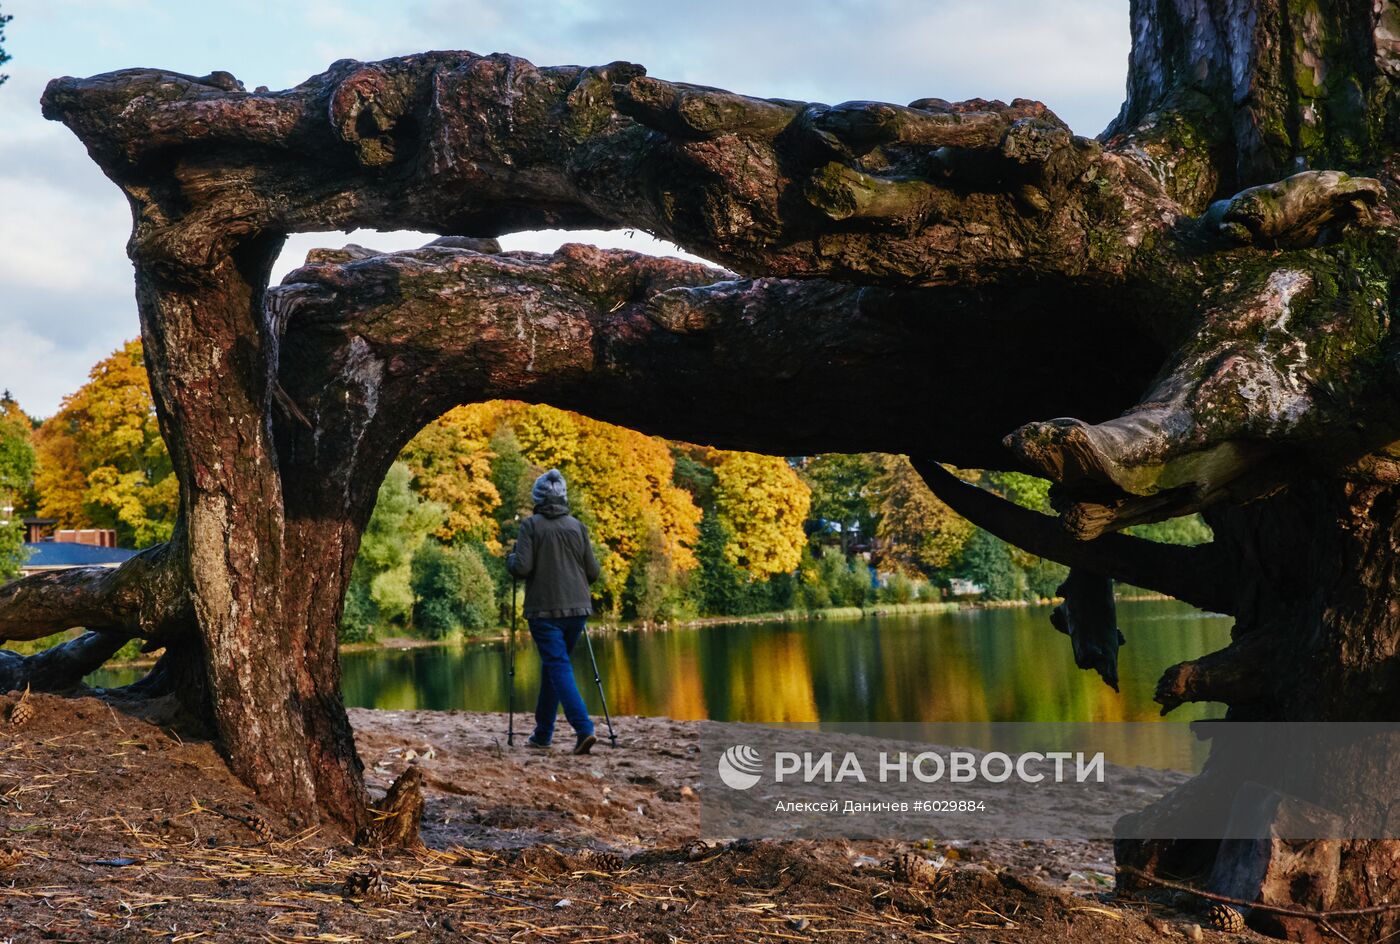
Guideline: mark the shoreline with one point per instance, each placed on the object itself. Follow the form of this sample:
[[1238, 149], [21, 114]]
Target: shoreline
[[498, 634]]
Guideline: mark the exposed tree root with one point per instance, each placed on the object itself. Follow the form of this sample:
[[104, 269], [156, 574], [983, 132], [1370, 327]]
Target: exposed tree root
[[1089, 617], [1239, 674], [394, 821], [60, 668]]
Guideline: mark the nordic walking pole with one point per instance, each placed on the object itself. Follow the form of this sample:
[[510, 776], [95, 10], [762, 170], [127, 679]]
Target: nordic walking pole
[[598, 680], [510, 675]]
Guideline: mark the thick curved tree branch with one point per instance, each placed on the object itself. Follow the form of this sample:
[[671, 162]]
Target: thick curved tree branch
[[147, 596], [482, 145], [981, 193], [637, 340], [1196, 575]]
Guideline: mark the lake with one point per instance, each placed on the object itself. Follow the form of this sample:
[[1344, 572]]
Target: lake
[[969, 665]]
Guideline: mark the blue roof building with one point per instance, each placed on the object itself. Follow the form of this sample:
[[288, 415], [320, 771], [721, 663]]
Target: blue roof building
[[61, 555]]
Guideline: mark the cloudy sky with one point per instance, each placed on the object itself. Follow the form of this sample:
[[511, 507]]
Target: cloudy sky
[[65, 282]]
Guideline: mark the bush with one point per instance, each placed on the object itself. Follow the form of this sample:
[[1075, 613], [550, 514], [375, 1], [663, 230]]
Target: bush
[[898, 588], [812, 592], [847, 583], [452, 589], [783, 593]]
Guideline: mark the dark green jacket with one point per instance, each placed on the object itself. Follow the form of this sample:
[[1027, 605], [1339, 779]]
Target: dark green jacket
[[555, 559]]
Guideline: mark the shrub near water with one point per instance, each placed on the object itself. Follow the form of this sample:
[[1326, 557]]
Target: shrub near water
[[454, 591]]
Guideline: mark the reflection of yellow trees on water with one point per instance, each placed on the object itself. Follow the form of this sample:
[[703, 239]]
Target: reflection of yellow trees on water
[[654, 673], [774, 683], [979, 665]]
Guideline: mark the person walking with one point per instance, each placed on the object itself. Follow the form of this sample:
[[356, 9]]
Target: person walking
[[554, 557]]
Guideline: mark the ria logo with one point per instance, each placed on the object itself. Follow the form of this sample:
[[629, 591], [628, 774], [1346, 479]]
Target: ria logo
[[739, 767]]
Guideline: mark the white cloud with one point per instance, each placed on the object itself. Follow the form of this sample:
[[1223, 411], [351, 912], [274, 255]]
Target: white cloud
[[39, 371], [547, 240]]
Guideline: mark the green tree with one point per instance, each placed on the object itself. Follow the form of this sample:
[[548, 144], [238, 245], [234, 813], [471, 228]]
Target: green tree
[[693, 474], [656, 589], [986, 561], [722, 584], [1028, 491], [1039, 577], [452, 590], [510, 474], [381, 583], [844, 492], [1190, 529], [847, 582]]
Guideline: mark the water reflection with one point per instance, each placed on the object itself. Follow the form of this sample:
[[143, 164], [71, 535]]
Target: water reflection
[[972, 665]]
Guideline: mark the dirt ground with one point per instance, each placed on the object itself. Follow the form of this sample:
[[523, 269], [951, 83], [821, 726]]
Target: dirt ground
[[116, 829]]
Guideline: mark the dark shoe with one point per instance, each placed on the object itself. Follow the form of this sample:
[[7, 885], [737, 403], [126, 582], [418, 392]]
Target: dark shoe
[[537, 745], [585, 744]]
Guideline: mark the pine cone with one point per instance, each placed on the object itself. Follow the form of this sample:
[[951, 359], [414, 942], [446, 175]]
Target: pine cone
[[603, 861], [369, 884], [9, 858], [22, 713], [914, 869], [1224, 917], [259, 827]]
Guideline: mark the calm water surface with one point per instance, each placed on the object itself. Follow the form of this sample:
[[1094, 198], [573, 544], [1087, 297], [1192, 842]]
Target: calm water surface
[[971, 665]]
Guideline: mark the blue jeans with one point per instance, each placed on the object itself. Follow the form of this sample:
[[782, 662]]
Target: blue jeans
[[555, 638]]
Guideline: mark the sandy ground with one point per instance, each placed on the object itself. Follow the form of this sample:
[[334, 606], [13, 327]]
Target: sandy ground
[[115, 829]]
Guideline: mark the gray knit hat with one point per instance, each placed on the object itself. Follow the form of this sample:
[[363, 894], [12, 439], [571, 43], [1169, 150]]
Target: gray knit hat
[[550, 485]]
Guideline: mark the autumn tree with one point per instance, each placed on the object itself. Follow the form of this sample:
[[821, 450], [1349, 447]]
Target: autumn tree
[[916, 532], [1200, 301], [16, 478], [101, 460], [451, 464], [621, 482], [762, 504]]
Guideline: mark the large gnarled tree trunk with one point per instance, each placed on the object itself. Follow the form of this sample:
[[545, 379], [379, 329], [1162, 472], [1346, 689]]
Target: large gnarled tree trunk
[[1192, 313]]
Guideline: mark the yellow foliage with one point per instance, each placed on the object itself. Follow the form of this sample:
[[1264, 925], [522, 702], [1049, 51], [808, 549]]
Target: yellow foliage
[[451, 463], [625, 478], [764, 503], [101, 460], [620, 479]]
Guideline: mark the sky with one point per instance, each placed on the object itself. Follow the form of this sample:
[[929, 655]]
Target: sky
[[66, 291]]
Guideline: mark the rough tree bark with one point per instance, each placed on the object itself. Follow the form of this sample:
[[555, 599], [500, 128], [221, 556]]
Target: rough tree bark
[[1190, 313]]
